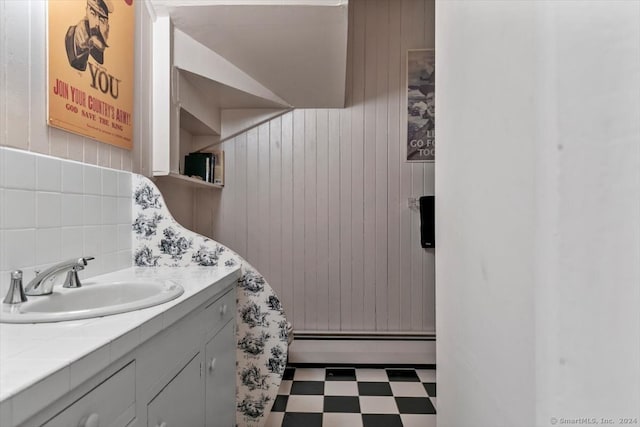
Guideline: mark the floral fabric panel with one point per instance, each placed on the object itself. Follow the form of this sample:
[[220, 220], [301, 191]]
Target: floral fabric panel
[[261, 324]]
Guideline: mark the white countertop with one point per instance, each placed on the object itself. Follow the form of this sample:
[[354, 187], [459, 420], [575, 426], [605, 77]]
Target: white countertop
[[48, 359]]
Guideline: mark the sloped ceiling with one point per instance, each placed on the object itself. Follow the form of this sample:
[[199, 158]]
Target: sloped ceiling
[[296, 48]]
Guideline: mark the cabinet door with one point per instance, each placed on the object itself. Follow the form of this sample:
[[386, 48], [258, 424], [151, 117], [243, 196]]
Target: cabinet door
[[180, 403], [221, 378]]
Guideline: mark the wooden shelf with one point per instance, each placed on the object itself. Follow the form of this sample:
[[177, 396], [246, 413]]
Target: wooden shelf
[[187, 180]]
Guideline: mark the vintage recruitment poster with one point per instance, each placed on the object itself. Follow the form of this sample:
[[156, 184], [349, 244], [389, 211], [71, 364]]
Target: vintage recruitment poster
[[91, 68], [421, 83]]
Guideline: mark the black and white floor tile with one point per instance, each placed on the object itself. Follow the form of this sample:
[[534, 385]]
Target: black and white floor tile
[[355, 397]]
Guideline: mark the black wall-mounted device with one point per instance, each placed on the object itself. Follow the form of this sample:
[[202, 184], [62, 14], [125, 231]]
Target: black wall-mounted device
[[427, 222]]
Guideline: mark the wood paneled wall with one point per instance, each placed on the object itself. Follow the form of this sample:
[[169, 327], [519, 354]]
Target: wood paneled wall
[[316, 199], [23, 92]]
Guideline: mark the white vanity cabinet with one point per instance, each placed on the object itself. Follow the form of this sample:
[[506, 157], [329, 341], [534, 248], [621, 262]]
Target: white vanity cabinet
[[220, 363], [184, 375], [180, 403], [91, 410], [220, 378]]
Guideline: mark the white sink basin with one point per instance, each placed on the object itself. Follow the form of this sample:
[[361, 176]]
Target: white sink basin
[[93, 299]]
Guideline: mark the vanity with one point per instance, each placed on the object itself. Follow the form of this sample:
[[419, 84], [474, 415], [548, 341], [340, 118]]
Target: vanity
[[173, 364], [169, 357]]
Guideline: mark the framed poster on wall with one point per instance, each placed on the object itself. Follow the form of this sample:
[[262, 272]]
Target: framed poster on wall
[[91, 68], [421, 83]]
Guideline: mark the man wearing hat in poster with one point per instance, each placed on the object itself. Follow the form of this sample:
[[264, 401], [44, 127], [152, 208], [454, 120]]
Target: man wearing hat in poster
[[90, 36]]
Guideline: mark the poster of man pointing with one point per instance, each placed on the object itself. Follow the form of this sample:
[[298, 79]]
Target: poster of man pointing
[[91, 68]]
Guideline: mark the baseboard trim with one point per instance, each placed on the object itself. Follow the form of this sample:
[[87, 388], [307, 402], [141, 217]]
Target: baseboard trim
[[378, 352], [364, 336]]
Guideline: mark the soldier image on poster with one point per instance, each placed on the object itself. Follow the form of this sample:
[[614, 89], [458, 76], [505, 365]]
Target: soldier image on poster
[[90, 68], [89, 36], [421, 105]]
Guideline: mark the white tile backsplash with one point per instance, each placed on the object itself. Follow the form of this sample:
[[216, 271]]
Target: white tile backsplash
[[92, 240], [48, 174], [125, 259], [109, 238], [72, 242], [53, 209], [109, 210], [124, 210], [19, 249], [109, 182], [92, 210], [19, 169], [72, 177], [124, 237], [72, 209], [2, 208], [92, 180], [110, 261], [2, 155], [93, 268], [2, 256], [48, 245], [19, 209], [124, 185], [48, 209]]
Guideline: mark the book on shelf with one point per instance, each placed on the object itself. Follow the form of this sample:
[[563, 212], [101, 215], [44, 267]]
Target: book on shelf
[[200, 165], [218, 170]]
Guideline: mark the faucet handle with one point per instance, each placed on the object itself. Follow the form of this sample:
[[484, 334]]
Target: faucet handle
[[15, 295], [72, 280]]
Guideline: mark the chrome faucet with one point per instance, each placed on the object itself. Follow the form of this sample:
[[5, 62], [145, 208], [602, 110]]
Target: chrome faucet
[[15, 294], [43, 283]]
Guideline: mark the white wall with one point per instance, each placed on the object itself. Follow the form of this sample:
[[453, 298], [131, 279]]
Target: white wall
[[538, 219], [178, 195], [316, 200], [23, 92]]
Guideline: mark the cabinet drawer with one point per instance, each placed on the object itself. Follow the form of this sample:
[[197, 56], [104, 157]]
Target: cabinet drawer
[[111, 404], [218, 313]]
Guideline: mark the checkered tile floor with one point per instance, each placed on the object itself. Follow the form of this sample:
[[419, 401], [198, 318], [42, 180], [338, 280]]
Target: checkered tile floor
[[355, 397]]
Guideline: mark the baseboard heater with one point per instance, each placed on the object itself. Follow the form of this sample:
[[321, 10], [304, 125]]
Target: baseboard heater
[[338, 335], [363, 348]]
